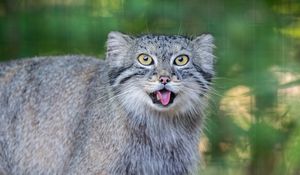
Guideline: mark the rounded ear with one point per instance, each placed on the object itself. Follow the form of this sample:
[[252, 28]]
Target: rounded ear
[[118, 44], [205, 42], [204, 47]]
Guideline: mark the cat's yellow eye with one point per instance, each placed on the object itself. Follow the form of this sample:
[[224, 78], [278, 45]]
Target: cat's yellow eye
[[145, 59], [181, 60]]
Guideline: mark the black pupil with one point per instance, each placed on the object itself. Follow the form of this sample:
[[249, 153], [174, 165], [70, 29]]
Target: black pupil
[[146, 58], [180, 59]]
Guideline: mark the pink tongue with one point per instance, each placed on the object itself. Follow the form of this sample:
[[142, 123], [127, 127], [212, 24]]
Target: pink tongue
[[164, 96]]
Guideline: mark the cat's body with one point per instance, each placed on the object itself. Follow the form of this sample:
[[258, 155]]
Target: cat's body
[[80, 115]]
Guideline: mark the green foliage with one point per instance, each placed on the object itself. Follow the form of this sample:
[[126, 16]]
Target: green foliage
[[253, 128]]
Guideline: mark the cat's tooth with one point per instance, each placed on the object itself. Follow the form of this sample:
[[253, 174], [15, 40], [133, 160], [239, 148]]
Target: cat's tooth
[[157, 96]]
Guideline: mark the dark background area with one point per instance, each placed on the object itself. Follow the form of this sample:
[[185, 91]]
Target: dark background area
[[253, 124]]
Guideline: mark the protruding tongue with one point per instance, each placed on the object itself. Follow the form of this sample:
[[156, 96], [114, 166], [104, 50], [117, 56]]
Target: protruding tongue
[[163, 96]]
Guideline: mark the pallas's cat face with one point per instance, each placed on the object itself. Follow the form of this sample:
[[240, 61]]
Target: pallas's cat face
[[160, 73]]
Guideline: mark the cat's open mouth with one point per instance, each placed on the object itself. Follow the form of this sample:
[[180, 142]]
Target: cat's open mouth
[[163, 97]]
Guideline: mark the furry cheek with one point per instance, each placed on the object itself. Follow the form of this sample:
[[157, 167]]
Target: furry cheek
[[189, 99], [134, 99]]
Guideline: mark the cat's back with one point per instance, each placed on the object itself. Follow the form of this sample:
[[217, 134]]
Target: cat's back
[[42, 100], [44, 78], [46, 67]]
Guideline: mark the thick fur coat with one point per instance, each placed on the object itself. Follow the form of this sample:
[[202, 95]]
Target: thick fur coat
[[81, 115]]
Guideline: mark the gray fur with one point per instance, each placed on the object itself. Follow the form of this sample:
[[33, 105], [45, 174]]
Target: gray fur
[[81, 115]]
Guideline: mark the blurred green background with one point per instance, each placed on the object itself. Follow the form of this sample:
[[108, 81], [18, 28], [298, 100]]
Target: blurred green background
[[254, 123]]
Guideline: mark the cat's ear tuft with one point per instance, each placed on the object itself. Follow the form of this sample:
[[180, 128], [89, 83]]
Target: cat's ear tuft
[[204, 47], [204, 42], [117, 43]]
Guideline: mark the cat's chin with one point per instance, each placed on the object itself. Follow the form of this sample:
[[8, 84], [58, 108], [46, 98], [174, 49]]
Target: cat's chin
[[162, 108]]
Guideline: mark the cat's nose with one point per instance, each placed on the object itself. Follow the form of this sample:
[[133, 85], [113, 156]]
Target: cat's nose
[[164, 79]]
